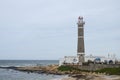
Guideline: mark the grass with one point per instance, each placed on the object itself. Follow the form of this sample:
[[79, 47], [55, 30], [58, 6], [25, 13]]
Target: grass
[[110, 71], [70, 68], [67, 68]]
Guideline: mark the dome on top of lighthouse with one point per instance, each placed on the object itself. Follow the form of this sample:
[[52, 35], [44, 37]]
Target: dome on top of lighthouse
[[80, 17], [80, 21]]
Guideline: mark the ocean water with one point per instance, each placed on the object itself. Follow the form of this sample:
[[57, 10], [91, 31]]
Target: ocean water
[[8, 74], [27, 62]]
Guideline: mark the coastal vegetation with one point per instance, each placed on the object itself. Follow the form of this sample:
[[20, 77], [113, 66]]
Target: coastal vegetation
[[110, 71], [70, 69], [67, 68]]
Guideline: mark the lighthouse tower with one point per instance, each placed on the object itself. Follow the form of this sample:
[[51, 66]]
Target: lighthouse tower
[[80, 45]]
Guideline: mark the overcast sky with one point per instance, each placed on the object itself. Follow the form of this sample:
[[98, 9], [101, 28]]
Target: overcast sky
[[47, 29]]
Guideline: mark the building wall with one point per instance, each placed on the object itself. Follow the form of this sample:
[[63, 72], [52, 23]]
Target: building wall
[[102, 59], [93, 67], [68, 60], [75, 59]]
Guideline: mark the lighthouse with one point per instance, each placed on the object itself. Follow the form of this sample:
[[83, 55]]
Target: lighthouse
[[80, 58], [80, 44]]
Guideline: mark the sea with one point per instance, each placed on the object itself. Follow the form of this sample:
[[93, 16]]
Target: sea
[[9, 74]]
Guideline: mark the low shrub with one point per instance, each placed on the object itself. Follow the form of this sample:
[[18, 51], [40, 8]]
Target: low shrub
[[67, 68], [111, 71]]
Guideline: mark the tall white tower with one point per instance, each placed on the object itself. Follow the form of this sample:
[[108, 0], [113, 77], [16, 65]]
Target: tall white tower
[[80, 45]]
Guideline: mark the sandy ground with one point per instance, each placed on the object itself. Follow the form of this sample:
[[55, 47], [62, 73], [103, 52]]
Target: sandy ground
[[93, 77]]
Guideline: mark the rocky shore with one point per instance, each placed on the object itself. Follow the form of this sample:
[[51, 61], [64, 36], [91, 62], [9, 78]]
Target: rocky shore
[[94, 77], [72, 75], [50, 69]]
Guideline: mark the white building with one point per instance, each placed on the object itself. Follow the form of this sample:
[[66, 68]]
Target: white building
[[68, 60], [94, 59], [100, 59]]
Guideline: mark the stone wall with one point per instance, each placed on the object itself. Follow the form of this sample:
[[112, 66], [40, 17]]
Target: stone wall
[[93, 67]]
